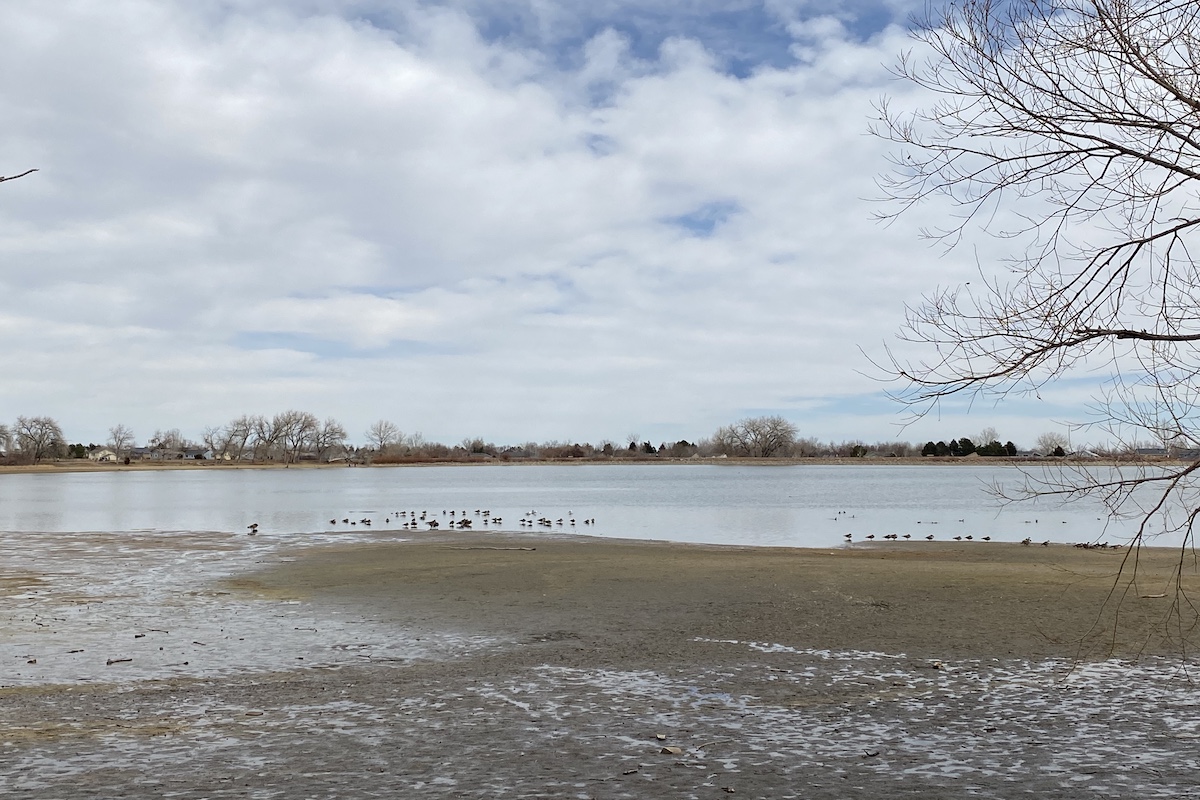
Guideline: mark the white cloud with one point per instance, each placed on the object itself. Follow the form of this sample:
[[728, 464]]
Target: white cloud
[[257, 208]]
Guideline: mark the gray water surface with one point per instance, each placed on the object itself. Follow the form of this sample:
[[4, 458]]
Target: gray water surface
[[794, 506]]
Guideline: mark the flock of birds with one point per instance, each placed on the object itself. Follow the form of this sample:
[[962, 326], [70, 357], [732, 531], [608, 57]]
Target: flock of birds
[[412, 520], [1027, 541], [460, 520]]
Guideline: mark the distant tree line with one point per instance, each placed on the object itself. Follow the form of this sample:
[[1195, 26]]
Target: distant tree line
[[965, 447], [292, 436]]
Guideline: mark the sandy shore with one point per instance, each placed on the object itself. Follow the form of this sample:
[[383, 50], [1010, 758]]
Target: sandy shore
[[625, 601], [613, 669]]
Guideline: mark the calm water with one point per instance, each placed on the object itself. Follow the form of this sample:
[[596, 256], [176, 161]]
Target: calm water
[[802, 506]]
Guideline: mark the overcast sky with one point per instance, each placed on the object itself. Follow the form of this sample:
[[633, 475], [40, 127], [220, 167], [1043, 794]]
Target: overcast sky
[[561, 220]]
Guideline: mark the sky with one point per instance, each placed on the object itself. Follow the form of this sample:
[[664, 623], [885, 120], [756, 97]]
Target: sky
[[520, 221]]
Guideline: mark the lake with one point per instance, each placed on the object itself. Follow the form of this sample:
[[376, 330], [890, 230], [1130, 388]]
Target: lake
[[121, 564], [792, 505]]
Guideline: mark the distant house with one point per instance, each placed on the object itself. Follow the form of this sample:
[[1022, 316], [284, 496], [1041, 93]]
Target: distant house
[[102, 455], [140, 454], [194, 454]]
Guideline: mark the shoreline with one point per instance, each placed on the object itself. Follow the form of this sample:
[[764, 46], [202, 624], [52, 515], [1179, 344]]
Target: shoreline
[[613, 669], [67, 466]]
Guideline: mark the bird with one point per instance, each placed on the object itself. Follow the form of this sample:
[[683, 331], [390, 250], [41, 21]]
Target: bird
[[930, 537]]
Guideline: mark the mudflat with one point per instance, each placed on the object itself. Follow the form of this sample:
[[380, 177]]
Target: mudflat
[[625, 602], [617, 669]]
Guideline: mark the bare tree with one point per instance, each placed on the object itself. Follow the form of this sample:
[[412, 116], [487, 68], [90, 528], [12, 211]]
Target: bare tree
[[756, 437], [37, 438], [237, 436], [330, 438], [1080, 116], [120, 440], [168, 441], [382, 435], [5, 438], [216, 441], [415, 442], [296, 432], [1067, 130], [1051, 442], [263, 436]]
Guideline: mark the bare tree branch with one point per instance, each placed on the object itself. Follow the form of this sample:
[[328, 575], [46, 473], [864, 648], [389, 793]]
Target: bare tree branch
[[14, 177], [1069, 130]]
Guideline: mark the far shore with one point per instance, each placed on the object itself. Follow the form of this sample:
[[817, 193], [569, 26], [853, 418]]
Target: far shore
[[84, 465]]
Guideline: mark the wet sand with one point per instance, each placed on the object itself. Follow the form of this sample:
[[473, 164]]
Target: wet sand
[[630, 600], [625, 669]]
